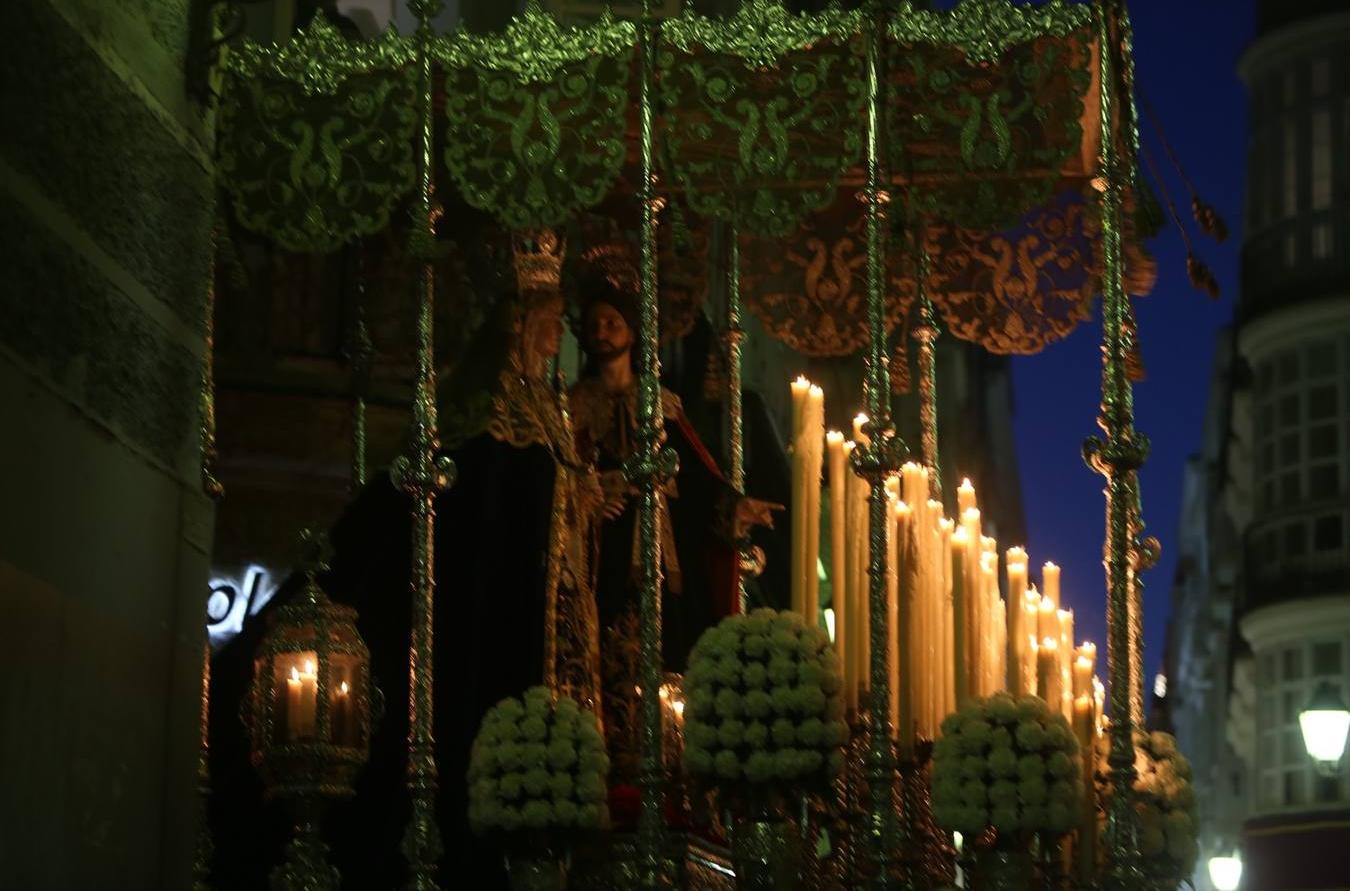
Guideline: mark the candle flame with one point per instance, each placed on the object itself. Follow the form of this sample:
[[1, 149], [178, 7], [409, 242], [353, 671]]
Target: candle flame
[[295, 673], [801, 381], [343, 688], [816, 392], [1051, 566], [1065, 614], [860, 419], [309, 666], [834, 437], [1049, 643], [1047, 605], [679, 708], [970, 515], [965, 484], [1084, 662]]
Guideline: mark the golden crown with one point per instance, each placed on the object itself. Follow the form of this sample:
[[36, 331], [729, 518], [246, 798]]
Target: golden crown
[[538, 258]]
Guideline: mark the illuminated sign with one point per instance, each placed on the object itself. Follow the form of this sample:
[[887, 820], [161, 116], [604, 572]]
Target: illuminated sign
[[232, 601]]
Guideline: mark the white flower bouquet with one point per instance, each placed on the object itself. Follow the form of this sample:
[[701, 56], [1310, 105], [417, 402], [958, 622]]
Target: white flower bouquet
[[763, 715], [538, 764], [1006, 763], [1164, 800]]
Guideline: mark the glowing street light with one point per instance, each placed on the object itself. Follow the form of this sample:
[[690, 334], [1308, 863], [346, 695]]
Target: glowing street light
[[1225, 873], [1325, 722]]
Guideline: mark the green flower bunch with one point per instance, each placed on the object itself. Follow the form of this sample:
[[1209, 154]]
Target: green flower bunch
[[1164, 800], [762, 703], [538, 763], [1007, 763]]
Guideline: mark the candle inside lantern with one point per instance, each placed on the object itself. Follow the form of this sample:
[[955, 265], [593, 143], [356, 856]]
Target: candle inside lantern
[[302, 699], [343, 730]]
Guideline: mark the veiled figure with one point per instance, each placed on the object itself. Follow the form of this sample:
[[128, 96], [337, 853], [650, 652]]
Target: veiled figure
[[513, 601]]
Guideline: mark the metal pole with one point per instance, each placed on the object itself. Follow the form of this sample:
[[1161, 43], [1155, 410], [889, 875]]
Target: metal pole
[[422, 476], [926, 333], [1117, 457], [875, 462], [732, 337], [648, 469]]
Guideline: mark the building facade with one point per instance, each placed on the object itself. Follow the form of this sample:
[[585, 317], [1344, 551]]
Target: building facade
[[1262, 595]]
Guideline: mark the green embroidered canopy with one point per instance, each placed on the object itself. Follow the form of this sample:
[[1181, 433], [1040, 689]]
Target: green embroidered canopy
[[988, 137]]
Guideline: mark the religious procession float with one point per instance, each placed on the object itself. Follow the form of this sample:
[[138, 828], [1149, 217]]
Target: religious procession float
[[547, 695]]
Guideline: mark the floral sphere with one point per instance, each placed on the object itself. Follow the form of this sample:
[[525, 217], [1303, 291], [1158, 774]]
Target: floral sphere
[[1164, 800], [538, 763], [762, 703], [1006, 763]]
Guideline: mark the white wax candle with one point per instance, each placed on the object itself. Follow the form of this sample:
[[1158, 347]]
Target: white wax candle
[[1050, 583], [838, 470]]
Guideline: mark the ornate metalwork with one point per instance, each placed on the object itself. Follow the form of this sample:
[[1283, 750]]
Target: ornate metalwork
[[760, 32], [782, 90], [732, 335], [536, 116], [881, 457], [984, 29], [361, 352], [1117, 457], [926, 333], [423, 475], [205, 848], [649, 468], [535, 49], [983, 144], [316, 137]]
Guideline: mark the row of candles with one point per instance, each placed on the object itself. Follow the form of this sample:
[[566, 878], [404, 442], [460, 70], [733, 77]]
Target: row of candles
[[951, 635], [302, 705]]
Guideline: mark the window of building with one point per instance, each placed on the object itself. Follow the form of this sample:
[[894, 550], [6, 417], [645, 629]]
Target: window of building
[[1289, 160], [1286, 677], [1321, 77], [1328, 533], [1321, 241], [1321, 159]]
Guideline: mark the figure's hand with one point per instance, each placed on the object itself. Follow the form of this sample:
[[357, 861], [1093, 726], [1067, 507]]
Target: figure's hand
[[752, 512], [615, 490], [590, 493]]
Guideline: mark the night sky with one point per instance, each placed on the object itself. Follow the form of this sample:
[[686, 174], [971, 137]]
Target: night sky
[[1186, 58]]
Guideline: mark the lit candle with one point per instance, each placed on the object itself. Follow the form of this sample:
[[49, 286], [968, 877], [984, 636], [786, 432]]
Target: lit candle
[[1048, 673], [1085, 844], [859, 422], [892, 611], [1050, 583], [1017, 594], [342, 716], [1047, 620], [947, 626], [1083, 666], [302, 699], [1030, 624], [838, 470], [962, 629], [909, 671], [801, 389], [813, 439], [1066, 656], [965, 497]]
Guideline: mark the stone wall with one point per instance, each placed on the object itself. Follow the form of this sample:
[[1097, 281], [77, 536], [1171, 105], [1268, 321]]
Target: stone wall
[[105, 210]]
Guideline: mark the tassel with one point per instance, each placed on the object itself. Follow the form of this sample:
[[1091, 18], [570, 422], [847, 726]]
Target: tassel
[[1209, 220], [1201, 277]]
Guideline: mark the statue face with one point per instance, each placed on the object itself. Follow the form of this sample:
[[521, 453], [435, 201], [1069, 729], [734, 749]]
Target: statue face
[[607, 334], [543, 328]]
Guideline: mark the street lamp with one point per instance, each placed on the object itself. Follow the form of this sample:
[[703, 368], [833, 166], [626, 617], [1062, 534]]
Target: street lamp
[[1325, 722], [1225, 873]]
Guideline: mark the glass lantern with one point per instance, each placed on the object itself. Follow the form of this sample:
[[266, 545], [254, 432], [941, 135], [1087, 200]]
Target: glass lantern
[[310, 704]]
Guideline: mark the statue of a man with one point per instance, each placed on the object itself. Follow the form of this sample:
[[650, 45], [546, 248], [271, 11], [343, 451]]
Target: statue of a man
[[700, 515]]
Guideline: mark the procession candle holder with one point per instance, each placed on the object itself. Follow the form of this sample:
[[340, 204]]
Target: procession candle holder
[[309, 718]]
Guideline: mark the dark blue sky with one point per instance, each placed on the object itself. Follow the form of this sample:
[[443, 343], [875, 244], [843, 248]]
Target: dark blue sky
[[1186, 55]]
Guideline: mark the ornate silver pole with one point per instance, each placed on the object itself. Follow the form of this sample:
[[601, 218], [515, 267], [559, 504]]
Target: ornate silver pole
[[422, 476], [360, 359], [732, 337], [1117, 457], [875, 462], [214, 490], [926, 333], [650, 466]]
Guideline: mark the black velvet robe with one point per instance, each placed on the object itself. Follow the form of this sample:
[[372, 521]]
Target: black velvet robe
[[490, 564]]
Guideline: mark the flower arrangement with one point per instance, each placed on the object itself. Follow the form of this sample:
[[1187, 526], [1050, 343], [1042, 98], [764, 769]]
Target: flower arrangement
[[538, 763], [1164, 800], [1006, 763], [762, 706]]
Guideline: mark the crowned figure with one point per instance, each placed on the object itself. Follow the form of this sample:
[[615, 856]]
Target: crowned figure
[[514, 605]]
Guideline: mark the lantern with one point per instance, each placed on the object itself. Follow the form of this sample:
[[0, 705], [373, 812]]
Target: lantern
[[308, 714], [1325, 722]]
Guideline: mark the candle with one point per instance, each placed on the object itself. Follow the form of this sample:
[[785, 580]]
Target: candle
[[1084, 728], [838, 470], [990, 663], [859, 422], [813, 440], [892, 613], [1030, 618], [1083, 666], [965, 497], [1048, 673], [947, 630], [912, 672], [801, 388], [962, 637], [1050, 583], [1047, 620], [302, 699], [1017, 594], [1066, 656], [343, 731]]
